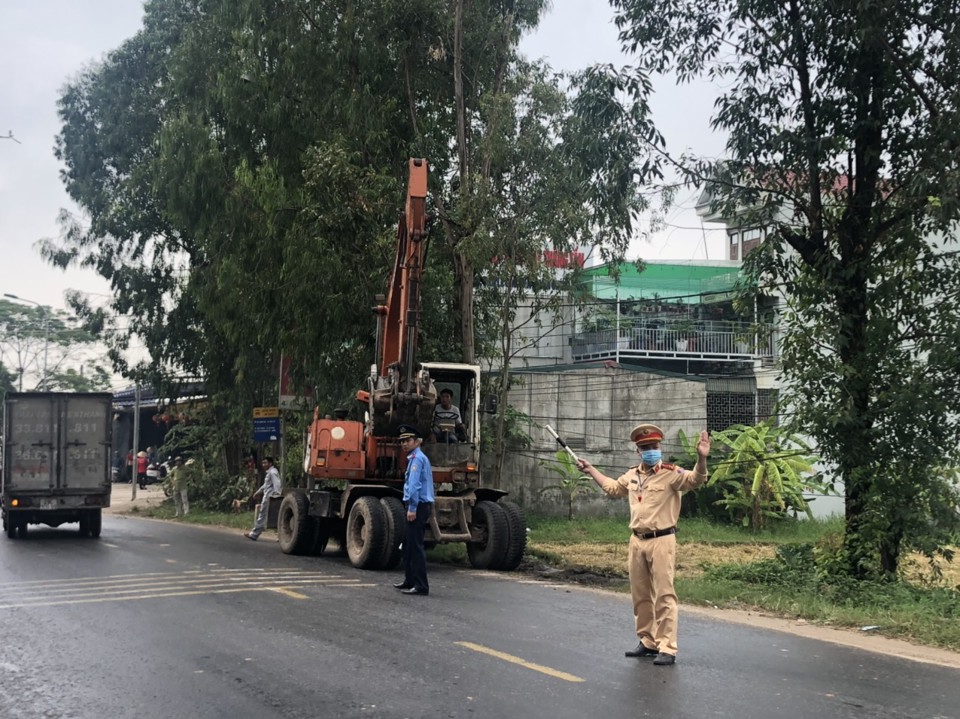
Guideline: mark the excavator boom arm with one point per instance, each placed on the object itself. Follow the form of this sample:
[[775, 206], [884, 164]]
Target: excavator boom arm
[[402, 310]]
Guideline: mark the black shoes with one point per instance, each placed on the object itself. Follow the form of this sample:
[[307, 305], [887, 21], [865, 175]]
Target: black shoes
[[415, 590], [642, 651], [664, 660], [401, 585]]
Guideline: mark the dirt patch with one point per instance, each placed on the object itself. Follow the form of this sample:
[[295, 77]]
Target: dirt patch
[[610, 560], [123, 502]]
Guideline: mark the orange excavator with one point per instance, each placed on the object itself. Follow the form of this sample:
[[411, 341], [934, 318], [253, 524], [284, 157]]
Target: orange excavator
[[354, 469]]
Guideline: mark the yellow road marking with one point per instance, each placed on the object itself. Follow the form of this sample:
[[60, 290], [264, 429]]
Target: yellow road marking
[[128, 579], [144, 588], [157, 585], [100, 600], [288, 593], [521, 662], [202, 572]]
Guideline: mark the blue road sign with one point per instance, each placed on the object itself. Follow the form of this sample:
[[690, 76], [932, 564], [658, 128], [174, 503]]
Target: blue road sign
[[266, 429]]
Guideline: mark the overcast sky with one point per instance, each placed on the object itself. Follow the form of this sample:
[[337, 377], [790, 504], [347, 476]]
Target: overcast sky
[[43, 43]]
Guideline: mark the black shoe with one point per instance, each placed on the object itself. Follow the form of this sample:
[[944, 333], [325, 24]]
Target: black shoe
[[664, 660], [641, 651], [402, 585], [415, 590]]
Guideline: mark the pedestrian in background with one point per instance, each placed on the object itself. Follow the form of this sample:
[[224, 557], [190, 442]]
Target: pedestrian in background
[[129, 466], [653, 489], [418, 499], [142, 469], [116, 466], [178, 479], [270, 488]]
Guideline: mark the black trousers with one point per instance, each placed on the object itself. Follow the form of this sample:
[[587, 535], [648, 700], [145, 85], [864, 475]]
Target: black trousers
[[414, 555]]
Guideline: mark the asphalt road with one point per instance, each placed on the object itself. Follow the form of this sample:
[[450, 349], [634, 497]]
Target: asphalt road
[[165, 620]]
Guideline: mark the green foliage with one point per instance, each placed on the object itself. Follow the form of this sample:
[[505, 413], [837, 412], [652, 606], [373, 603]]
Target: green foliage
[[6, 381], [899, 608], [764, 472], [841, 125], [212, 483], [704, 502], [572, 482], [242, 165]]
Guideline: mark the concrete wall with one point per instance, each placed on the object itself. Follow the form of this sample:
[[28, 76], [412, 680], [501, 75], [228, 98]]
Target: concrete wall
[[593, 410]]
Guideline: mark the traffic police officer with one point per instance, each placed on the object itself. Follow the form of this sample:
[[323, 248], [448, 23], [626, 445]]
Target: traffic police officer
[[653, 489], [418, 499]]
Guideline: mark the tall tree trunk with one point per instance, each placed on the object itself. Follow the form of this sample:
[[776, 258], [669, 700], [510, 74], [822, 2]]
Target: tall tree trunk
[[464, 268], [506, 343], [464, 278], [458, 100]]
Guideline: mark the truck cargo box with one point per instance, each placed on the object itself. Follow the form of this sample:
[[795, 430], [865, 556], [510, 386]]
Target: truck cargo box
[[56, 459]]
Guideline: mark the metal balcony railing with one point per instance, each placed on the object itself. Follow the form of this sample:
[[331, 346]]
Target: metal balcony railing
[[716, 341]]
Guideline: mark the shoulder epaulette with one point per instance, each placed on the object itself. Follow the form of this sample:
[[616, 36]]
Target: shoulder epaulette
[[664, 465]]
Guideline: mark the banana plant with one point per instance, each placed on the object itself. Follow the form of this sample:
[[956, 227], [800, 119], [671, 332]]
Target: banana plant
[[572, 480], [764, 473]]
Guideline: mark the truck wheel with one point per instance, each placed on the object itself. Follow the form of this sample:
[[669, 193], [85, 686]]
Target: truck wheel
[[293, 524], [22, 528], [94, 523], [84, 524], [396, 529], [516, 536], [366, 533], [491, 520], [10, 525]]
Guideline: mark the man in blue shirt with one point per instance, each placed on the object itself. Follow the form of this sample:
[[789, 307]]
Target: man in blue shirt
[[418, 500]]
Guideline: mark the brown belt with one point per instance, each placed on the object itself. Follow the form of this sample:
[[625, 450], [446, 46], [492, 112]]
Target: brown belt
[[655, 534]]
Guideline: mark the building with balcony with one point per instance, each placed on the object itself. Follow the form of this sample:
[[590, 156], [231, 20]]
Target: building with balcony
[[675, 316]]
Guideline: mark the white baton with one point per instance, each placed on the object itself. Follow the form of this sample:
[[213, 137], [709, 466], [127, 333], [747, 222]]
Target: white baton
[[563, 444]]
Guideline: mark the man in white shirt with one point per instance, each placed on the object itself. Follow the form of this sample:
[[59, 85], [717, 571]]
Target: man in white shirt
[[271, 488]]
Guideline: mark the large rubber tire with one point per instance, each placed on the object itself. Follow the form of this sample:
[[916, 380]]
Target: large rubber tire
[[366, 533], [490, 518], [10, 525], [396, 530], [516, 536], [22, 528], [294, 527], [94, 523], [84, 524]]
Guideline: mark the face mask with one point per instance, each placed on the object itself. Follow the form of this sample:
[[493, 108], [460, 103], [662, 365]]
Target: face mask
[[650, 456]]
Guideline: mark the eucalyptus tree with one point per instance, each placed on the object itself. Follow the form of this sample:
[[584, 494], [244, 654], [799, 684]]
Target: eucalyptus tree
[[239, 177], [242, 163], [843, 122]]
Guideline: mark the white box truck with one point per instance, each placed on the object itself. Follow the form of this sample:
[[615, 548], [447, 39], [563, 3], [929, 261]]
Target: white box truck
[[56, 460]]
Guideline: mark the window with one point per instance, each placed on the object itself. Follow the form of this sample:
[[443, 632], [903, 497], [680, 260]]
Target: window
[[751, 239], [734, 246]]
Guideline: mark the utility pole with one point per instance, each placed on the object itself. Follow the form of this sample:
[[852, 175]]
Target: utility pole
[[136, 440]]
